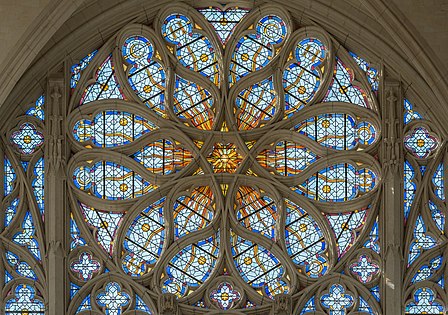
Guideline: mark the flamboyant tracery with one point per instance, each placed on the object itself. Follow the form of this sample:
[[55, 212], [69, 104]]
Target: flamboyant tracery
[[228, 158]]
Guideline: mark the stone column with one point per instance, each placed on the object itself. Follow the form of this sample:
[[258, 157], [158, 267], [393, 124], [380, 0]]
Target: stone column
[[56, 218], [168, 304], [391, 213], [282, 305]]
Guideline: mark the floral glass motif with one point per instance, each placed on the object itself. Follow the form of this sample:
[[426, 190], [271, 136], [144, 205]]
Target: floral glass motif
[[27, 139], [167, 180], [224, 158], [421, 143], [85, 266], [113, 299], [364, 269], [225, 296], [24, 302], [424, 303], [337, 300]]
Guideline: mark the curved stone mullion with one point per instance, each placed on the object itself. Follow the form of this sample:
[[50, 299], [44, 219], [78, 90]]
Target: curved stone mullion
[[321, 34], [89, 233], [89, 73], [360, 78], [376, 258], [23, 254], [425, 258]]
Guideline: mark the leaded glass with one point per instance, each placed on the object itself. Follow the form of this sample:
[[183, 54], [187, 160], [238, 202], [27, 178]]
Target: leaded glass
[[342, 88], [27, 139], [302, 79], [25, 301], [217, 156], [193, 50], [223, 21]]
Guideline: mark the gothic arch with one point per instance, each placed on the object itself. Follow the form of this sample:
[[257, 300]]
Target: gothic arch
[[226, 158]]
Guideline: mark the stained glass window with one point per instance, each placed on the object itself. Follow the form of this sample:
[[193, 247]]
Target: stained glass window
[[228, 158], [194, 175]]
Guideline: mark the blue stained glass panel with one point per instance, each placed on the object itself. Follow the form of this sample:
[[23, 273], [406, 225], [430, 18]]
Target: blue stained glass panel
[[301, 79], [26, 237], [256, 105], [438, 182], [146, 76], [255, 51], [144, 240], [77, 68], [305, 241], [193, 104], [338, 183], [106, 85], [342, 88], [286, 158], [111, 181], [410, 188], [422, 241], [258, 267], [256, 211], [193, 212], [112, 128], [193, 50], [346, 228], [410, 113], [24, 302], [9, 177], [223, 21], [38, 109], [338, 131], [104, 224], [10, 211], [191, 267], [426, 271], [371, 73], [38, 184], [424, 303]]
